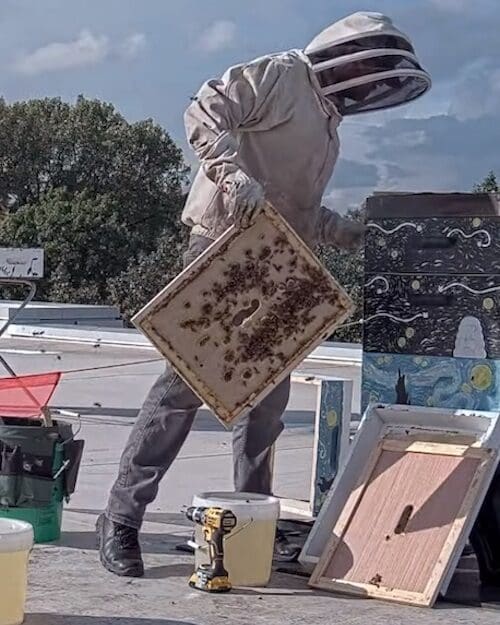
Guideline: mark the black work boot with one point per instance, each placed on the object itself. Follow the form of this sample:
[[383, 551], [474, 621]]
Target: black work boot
[[119, 548]]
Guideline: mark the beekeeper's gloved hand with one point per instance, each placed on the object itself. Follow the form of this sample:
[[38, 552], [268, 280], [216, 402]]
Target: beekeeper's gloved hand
[[245, 198], [340, 232]]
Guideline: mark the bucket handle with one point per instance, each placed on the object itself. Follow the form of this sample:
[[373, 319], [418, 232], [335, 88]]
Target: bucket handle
[[228, 537], [243, 527]]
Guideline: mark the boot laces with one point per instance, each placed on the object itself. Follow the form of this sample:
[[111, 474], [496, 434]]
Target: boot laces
[[128, 537]]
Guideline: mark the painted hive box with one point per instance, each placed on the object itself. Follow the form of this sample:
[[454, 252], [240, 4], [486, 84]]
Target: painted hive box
[[437, 245], [433, 315], [244, 314], [462, 383]]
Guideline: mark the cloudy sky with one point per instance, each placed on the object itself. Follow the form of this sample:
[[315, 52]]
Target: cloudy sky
[[150, 57]]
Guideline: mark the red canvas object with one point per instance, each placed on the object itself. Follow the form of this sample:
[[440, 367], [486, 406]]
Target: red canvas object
[[25, 396]]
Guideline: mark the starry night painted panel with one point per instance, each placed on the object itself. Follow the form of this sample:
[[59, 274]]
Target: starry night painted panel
[[461, 383], [329, 433], [441, 315], [455, 245]]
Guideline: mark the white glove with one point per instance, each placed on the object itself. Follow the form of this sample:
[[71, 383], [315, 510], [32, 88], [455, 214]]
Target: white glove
[[341, 232], [245, 199]]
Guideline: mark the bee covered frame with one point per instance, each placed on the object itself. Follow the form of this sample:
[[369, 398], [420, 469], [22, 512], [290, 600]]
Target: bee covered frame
[[244, 314]]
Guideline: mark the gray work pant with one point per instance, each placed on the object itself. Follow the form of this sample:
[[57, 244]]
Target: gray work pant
[[163, 424]]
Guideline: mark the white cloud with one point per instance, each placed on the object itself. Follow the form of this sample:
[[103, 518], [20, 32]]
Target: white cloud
[[343, 200], [86, 49], [218, 36], [132, 46], [454, 156], [477, 91]]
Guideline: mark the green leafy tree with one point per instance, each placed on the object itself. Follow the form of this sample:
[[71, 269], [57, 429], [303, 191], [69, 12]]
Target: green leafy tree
[[143, 279], [348, 269], [94, 190], [84, 238], [488, 185]]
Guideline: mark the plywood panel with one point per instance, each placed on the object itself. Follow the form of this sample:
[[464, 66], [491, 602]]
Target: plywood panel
[[242, 316], [412, 501]]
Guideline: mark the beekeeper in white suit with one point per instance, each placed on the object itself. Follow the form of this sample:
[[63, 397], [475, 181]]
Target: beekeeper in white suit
[[267, 130]]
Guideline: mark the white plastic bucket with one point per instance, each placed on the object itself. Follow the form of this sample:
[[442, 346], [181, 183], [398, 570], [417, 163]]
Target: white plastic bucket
[[16, 542], [248, 549]]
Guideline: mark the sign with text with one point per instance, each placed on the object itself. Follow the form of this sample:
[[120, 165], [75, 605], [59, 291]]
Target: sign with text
[[21, 263]]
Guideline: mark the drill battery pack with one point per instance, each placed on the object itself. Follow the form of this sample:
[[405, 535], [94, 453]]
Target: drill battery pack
[[202, 579]]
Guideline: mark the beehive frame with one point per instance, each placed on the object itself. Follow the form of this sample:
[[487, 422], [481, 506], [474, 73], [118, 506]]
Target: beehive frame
[[244, 314], [375, 588], [380, 421]]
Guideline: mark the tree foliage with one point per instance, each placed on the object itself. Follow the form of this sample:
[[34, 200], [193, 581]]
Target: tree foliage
[[138, 283], [489, 184], [348, 269], [94, 190]]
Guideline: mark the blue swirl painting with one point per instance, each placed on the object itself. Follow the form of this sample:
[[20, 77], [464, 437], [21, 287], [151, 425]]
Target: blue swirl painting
[[461, 383], [329, 439]]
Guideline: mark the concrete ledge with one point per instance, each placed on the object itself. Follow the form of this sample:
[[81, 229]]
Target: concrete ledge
[[345, 354], [53, 313], [122, 337]]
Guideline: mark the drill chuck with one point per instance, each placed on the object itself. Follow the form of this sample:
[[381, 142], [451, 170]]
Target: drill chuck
[[196, 515]]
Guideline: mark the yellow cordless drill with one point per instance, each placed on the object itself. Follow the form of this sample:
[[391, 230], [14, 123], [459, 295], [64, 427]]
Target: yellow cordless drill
[[216, 524]]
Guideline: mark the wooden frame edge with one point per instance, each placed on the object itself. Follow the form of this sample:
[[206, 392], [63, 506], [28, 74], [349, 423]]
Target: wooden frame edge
[[372, 592], [427, 447], [439, 573]]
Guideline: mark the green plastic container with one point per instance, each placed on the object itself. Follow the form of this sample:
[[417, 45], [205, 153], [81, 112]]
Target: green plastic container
[[46, 521]]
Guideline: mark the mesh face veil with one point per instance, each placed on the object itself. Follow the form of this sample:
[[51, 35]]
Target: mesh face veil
[[364, 63]]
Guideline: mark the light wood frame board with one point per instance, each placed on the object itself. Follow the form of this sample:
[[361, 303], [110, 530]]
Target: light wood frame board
[[378, 422], [401, 553], [243, 315], [330, 441]]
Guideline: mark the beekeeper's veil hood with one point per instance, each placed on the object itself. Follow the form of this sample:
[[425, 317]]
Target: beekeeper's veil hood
[[364, 63]]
